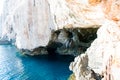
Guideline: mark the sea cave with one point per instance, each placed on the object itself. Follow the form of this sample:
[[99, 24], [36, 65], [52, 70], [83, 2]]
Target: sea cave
[[59, 39]]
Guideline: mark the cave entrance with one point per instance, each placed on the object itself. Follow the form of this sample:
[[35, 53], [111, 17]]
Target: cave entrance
[[71, 41]]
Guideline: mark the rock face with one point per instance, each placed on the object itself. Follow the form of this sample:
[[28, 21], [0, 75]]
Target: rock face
[[103, 46], [81, 69], [31, 22], [103, 54], [106, 45], [27, 21], [75, 13]]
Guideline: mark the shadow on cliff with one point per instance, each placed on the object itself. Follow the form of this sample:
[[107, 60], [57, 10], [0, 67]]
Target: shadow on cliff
[[71, 41], [66, 41]]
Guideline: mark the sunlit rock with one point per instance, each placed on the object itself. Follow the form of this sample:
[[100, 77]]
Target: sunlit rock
[[28, 21], [105, 46], [111, 9], [81, 69], [75, 13], [102, 47], [103, 54]]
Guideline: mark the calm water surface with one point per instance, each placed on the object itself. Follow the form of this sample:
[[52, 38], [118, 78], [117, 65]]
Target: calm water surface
[[15, 66]]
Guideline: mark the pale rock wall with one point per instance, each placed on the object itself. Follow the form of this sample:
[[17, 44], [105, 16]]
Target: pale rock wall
[[104, 46], [104, 52], [30, 21], [75, 13]]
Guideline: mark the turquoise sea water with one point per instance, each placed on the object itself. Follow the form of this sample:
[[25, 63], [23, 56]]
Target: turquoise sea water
[[15, 66]]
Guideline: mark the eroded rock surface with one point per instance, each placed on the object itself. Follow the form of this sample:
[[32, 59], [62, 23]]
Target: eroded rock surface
[[76, 13], [103, 54], [28, 22], [81, 69], [106, 45], [71, 41]]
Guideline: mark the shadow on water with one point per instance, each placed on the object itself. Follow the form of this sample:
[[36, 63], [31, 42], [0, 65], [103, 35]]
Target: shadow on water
[[61, 58]]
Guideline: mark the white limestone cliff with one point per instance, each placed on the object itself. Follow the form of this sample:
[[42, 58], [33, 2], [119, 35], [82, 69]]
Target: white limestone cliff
[[81, 70], [28, 21], [75, 13], [104, 53]]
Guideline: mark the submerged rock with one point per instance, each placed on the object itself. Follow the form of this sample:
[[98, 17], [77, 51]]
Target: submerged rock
[[72, 77]]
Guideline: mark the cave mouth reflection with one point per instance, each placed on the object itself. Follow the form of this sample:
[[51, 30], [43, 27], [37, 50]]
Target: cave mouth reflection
[[14, 65]]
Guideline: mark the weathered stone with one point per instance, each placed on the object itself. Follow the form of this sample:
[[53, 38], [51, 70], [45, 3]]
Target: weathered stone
[[103, 53], [76, 13], [104, 45], [81, 69], [30, 21], [71, 41]]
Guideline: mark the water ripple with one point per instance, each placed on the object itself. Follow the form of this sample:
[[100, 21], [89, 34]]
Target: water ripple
[[14, 66]]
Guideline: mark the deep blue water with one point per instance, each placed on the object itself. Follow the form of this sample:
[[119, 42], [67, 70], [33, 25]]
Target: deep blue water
[[15, 66]]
